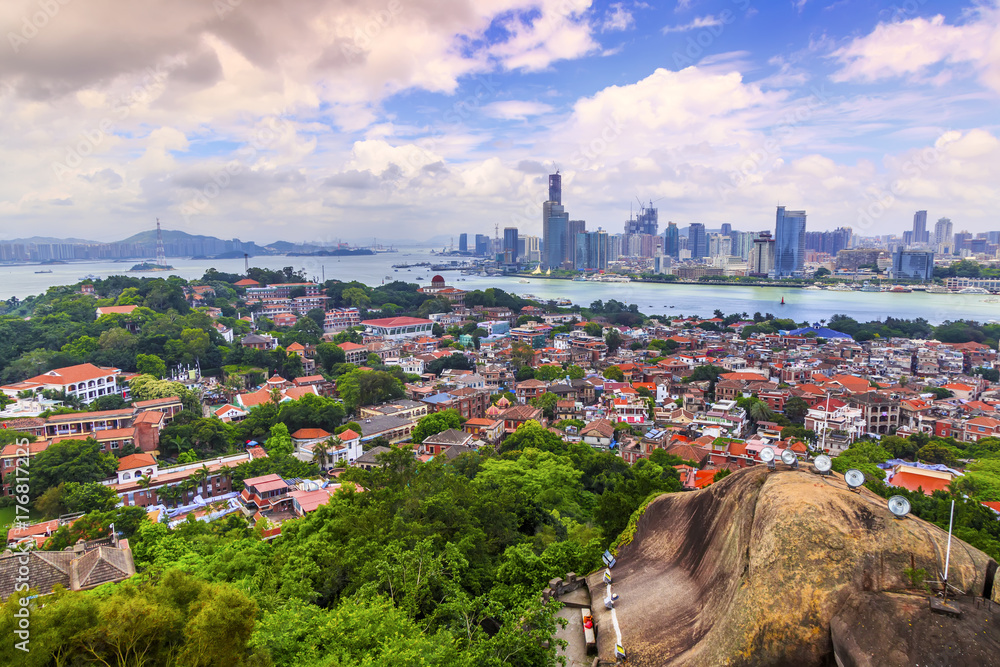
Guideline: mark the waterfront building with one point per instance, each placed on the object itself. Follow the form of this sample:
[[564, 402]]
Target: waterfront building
[[761, 260], [920, 233], [591, 251], [510, 245], [482, 245], [790, 242], [463, 243], [913, 265]]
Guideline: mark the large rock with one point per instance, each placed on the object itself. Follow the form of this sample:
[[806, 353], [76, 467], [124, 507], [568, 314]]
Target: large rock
[[750, 570]]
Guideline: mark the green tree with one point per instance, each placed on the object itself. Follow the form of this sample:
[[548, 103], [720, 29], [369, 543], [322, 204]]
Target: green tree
[[613, 339], [78, 461], [796, 409], [614, 373], [547, 402], [150, 364], [280, 442], [435, 423]]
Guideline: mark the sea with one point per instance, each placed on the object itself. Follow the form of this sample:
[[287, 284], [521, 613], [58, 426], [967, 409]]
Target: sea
[[813, 306]]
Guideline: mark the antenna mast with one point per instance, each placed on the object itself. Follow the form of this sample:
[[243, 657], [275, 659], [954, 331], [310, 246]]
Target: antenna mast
[[161, 258]]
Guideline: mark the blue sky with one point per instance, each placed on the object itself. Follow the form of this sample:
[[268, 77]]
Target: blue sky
[[335, 119]]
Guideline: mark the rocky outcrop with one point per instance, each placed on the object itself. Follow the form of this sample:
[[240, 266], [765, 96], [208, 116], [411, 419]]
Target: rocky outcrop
[[752, 569]]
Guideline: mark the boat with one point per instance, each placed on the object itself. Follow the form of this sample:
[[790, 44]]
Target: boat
[[580, 279], [563, 302], [812, 287], [47, 271], [974, 290], [524, 282], [673, 306], [900, 289], [870, 287], [938, 289], [840, 287]]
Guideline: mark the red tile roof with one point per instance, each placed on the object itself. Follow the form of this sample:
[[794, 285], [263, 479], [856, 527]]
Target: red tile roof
[[396, 321], [913, 481], [310, 434], [135, 461]]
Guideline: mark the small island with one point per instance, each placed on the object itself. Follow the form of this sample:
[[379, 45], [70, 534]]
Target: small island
[[150, 266]]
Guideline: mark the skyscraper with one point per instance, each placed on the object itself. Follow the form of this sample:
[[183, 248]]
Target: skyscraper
[[697, 241], [943, 230], [646, 222], [790, 242], [555, 231], [591, 250], [671, 240], [920, 234], [761, 258], [913, 264], [727, 229], [573, 228], [463, 243], [482, 245], [555, 188], [510, 245]]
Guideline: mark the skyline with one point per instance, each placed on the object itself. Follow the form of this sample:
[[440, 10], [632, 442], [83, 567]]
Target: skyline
[[411, 118]]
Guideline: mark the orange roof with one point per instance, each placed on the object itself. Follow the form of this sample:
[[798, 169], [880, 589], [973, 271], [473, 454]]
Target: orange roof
[[755, 377], [310, 434], [135, 461], [958, 386], [349, 347], [348, 435], [913, 481], [295, 347], [71, 374], [116, 310], [703, 478], [247, 282]]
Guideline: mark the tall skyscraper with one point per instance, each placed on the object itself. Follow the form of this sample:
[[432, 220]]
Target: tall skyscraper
[[671, 240], [727, 229], [463, 243], [697, 241], [645, 222], [790, 242], [943, 231], [963, 241], [555, 230], [510, 245], [591, 251], [573, 228], [920, 233], [555, 188], [482, 245]]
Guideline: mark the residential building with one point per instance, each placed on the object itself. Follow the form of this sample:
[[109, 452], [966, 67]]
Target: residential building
[[398, 328], [85, 382], [913, 264]]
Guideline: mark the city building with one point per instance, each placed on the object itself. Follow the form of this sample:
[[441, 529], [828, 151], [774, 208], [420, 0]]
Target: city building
[[510, 242], [591, 251], [943, 231], [671, 240], [482, 245], [920, 233], [790, 243], [761, 260], [913, 265], [697, 241], [83, 381], [397, 328]]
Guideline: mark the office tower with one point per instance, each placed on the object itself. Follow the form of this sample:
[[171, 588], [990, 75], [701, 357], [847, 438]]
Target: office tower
[[697, 241], [761, 260], [591, 251], [742, 244], [993, 238], [510, 244], [790, 242], [908, 237], [463, 243], [671, 240], [943, 230], [556, 229], [920, 234], [963, 241], [573, 228], [913, 264], [482, 245], [645, 222], [555, 188], [727, 229], [615, 243]]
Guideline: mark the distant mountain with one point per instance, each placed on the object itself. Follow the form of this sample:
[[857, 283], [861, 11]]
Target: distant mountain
[[49, 239]]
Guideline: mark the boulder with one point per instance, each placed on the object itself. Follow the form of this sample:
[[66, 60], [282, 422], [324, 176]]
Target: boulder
[[752, 569]]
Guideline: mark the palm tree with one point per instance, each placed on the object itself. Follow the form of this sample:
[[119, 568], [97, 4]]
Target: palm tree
[[321, 451], [169, 494], [187, 486], [759, 412], [200, 475]]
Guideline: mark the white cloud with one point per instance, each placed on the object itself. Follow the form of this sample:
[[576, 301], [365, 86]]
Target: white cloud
[[516, 109], [618, 18], [912, 48], [697, 23]]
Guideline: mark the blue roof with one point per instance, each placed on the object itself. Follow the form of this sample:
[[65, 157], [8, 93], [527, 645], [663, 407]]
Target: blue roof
[[821, 332], [438, 398]]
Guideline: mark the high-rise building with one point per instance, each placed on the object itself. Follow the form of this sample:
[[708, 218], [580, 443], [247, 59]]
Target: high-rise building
[[963, 241], [556, 230], [463, 243], [645, 222], [482, 245], [761, 260], [920, 233], [591, 250], [573, 228], [943, 231], [697, 241], [555, 188], [510, 245], [790, 242], [727, 229], [528, 248], [913, 264], [671, 240]]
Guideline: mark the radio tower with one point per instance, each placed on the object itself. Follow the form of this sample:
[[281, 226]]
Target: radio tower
[[161, 258]]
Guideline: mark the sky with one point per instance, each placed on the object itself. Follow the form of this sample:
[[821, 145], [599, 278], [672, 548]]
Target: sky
[[323, 120]]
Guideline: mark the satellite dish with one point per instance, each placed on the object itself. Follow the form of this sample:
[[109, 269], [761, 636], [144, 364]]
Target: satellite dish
[[854, 478], [899, 506], [823, 463], [788, 457], [767, 455]]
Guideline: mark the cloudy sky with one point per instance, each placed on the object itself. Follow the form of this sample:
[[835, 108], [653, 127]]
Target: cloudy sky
[[317, 120]]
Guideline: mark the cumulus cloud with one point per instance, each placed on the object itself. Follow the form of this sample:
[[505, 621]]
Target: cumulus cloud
[[928, 49], [516, 109], [617, 18]]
